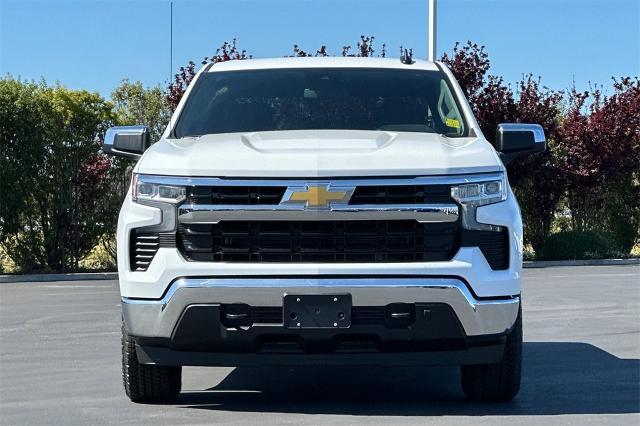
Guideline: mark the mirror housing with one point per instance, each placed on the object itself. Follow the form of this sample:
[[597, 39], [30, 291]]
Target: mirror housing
[[514, 140], [126, 141]]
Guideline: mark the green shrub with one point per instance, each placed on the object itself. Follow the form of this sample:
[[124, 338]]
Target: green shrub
[[52, 177], [99, 259], [622, 218], [569, 245]]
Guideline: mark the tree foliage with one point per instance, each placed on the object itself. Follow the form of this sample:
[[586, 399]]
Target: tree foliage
[[364, 49], [23, 139], [53, 176], [134, 104], [470, 64], [600, 148]]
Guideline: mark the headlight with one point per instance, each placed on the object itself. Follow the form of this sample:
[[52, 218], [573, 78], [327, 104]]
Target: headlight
[[156, 192], [480, 193], [472, 195]]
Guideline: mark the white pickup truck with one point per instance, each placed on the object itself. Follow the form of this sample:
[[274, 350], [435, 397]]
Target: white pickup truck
[[305, 211]]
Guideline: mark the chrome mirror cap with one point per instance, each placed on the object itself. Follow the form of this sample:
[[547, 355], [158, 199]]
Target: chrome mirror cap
[[535, 129], [517, 139], [126, 141]]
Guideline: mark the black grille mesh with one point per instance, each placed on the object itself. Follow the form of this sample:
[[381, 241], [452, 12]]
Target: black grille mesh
[[401, 194], [320, 241], [234, 195]]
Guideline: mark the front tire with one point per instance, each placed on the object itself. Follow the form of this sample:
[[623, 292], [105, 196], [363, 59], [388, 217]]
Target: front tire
[[147, 383], [501, 381]]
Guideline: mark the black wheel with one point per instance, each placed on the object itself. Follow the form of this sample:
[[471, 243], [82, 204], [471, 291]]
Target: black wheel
[[497, 382], [147, 383]]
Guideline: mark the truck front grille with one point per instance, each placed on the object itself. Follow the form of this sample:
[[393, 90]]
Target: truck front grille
[[382, 223], [319, 241], [271, 195]]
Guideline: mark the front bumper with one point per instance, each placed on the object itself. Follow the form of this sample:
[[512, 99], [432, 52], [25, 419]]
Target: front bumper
[[184, 327], [158, 318]]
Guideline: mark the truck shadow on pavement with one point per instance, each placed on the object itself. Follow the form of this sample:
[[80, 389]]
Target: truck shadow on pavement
[[558, 378]]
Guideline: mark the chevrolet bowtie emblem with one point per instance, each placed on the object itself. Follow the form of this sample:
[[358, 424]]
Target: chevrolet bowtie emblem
[[317, 196]]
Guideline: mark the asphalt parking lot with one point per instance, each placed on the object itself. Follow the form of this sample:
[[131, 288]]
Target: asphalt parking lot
[[60, 364]]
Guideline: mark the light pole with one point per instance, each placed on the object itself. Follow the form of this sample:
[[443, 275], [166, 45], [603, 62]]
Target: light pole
[[432, 30]]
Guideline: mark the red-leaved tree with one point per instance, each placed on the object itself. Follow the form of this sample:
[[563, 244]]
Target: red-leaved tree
[[599, 144], [538, 180]]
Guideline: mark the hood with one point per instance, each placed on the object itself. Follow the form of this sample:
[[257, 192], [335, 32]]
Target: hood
[[319, 153]]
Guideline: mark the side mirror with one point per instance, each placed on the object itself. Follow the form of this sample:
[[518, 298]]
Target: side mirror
[[126, 141], [517, 139]]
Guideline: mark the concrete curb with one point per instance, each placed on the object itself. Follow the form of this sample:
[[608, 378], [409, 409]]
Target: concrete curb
[[91, 276], [588, 262], [82, 276]]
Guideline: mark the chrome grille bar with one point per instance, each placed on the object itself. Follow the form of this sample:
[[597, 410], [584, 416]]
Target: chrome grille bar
[[203, 213]]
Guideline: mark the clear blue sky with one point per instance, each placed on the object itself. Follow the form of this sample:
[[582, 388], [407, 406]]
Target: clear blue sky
[[94, 44]]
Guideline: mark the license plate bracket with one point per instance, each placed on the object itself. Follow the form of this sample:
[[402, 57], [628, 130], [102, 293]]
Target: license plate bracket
[[304, 311]]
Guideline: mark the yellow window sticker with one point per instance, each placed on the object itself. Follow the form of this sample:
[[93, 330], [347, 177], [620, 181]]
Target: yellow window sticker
[[450, 122]]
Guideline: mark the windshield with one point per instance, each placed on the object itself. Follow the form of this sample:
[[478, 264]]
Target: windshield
[[321, 98]]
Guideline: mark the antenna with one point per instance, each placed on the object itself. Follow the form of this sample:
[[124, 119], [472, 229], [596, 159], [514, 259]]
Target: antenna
[[170, 40], [432, 30]]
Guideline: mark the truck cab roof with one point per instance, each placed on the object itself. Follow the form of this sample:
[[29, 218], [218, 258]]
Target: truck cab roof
[[321, 62]]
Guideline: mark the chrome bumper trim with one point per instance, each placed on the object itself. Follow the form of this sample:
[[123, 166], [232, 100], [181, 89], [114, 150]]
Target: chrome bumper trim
[[317, 283], [204, 213], [157, 317]]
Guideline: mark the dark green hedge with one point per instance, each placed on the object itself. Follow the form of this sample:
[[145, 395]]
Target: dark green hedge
[[570, 245]]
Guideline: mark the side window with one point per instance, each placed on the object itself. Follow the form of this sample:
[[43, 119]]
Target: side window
[[448, 111]]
